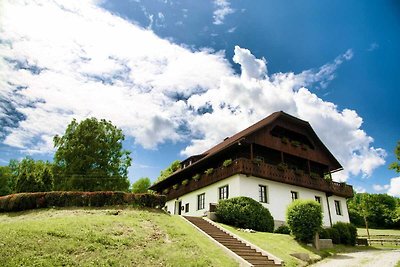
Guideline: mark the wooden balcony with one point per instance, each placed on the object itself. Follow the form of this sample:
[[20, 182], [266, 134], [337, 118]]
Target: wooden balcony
[[266, 171]]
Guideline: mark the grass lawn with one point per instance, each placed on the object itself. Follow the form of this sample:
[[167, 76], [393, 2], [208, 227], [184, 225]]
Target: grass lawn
[[284, 245], [277, 244], [104, 237], [363, 232]]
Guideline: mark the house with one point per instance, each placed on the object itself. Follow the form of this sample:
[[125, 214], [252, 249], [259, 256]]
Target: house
[[275, 161]]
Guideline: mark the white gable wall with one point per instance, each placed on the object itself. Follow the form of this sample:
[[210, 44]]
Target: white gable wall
[[278, 194]]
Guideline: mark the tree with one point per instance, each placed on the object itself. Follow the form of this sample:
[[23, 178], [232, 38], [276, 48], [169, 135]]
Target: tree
[[396, 165], [33, 176], [141, 186], [90, 157], [176, 165], [5, 178]]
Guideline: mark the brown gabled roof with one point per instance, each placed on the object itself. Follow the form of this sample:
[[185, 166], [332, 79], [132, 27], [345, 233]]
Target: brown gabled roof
[[242, 135]]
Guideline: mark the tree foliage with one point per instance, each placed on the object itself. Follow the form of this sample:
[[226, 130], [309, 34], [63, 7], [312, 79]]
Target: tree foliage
[[245, 212], [396, 165], [90, 157], [33, 176], [176, 165], [141, 186], [304, 218], [5, 180], [376, 210]]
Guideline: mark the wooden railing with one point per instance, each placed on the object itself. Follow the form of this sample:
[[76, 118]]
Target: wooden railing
[[263, 170]]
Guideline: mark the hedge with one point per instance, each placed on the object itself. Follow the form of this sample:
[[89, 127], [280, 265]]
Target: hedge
[[340, 233], [244, 212], [27, 201]]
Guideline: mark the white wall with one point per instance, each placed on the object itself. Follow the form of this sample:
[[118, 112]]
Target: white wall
[[278, 194], [211, 196]]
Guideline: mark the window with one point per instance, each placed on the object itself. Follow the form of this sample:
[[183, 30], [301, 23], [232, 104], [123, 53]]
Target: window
[[262, 192], [223, 192], [295, 195], [200, 201], [338, 207], [319, 200], [187, 207]]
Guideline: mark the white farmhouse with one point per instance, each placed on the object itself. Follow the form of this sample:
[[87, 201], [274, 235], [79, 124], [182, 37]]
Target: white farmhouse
[[275, 161]]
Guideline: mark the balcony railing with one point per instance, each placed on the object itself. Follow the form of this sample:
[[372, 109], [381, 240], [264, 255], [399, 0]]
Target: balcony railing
[[263, 170]]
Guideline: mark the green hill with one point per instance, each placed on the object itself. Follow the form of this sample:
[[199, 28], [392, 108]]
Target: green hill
[[104, 237]]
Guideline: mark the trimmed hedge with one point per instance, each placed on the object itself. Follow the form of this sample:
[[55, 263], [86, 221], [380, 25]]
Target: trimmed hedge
[[27, 201], [347, 233], [304, 218], [245, 212], [340, 233], [283, 229]]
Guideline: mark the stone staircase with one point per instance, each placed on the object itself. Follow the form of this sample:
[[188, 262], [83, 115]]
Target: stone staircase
[[244, 251]]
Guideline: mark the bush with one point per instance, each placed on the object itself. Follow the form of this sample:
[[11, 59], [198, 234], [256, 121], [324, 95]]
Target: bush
[[245, 212], [283, 229], [347, 233], [330, 233], [304, 218], [27, 201]]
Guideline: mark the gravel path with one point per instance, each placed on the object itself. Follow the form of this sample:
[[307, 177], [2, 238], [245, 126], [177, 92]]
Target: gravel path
[[371, 258]]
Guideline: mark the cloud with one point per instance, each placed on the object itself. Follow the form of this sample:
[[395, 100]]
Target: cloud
[[222, 9], [241, 100], [379, 188], [65, 60], [373, 47], [360, 189], [394, 188]]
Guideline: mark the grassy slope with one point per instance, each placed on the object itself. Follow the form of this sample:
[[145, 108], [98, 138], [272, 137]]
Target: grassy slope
[[279, 245], [86, 237]]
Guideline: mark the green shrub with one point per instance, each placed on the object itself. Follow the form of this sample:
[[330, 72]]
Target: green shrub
[[282, 166], [245, 212], [304, 218], [347, 233], [227, 162], [26, 201], [196, 177], [330, 233], [283, 229], [209, 171]]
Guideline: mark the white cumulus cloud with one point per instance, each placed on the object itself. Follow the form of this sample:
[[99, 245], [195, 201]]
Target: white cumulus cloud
[[223, 8], [394, 187], [379, 188]]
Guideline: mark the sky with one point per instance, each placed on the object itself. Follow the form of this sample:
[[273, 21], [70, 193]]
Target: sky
[[179, 76]]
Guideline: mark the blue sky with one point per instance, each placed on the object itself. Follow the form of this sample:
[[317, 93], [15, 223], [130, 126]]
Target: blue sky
[[179, 76]]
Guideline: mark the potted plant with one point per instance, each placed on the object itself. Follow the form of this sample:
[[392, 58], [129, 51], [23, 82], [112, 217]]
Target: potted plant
[[209, 171], [282, 166], [305, 147], [257, 161], [227, 162], [196, 177], [298, 171], [284, 140], [175, 186], [185, 182], [295, 143], [166, 191]]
